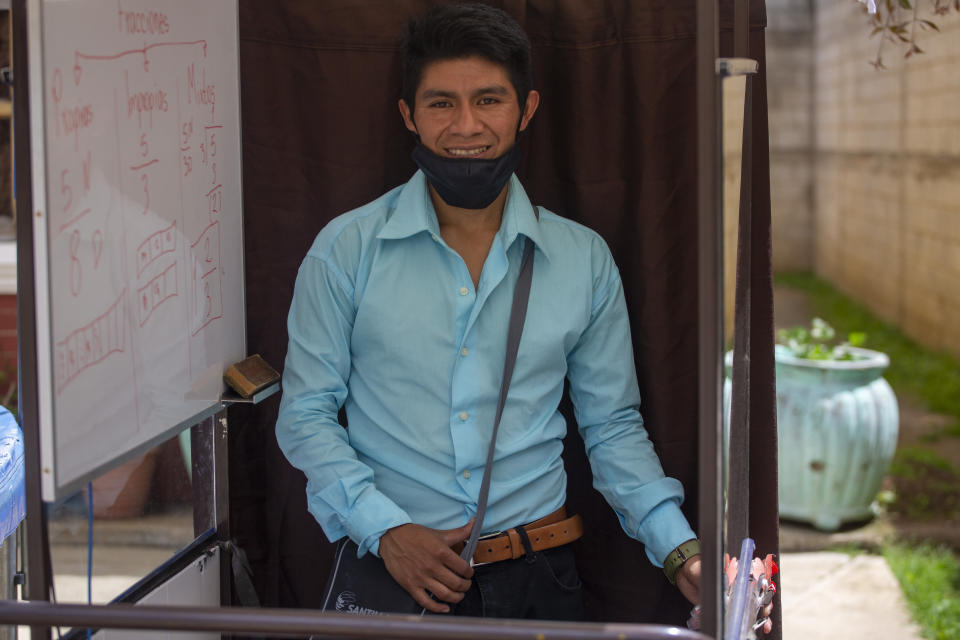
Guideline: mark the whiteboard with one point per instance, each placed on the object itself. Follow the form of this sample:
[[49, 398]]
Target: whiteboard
[[135, 137]]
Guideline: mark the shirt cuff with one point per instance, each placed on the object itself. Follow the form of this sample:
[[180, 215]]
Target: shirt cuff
[[372, 515], [664, 529]]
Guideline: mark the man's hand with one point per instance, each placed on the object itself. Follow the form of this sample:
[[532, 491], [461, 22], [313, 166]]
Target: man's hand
[[421, 560], [688, 579]]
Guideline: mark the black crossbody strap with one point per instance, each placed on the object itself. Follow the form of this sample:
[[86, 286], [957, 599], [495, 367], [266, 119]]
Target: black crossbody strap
[[518, 313]]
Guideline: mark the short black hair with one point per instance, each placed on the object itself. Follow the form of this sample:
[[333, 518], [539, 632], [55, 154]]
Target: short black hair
[[454, 31]]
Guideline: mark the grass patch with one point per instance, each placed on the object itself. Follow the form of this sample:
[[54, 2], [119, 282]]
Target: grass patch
[[933, 378], [930, 579], [925, 485]]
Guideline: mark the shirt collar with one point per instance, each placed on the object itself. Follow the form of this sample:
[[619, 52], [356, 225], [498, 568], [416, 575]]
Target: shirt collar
[[519, 218], [414, 213]]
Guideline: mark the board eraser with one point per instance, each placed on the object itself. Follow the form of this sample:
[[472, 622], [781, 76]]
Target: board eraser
[[250, 375]]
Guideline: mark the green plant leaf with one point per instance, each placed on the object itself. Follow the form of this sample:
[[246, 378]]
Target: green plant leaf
[[821, 330], [817, 343], [932, 376]]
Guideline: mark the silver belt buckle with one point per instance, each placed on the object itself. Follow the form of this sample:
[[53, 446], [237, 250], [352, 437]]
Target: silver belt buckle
[[493, 534]]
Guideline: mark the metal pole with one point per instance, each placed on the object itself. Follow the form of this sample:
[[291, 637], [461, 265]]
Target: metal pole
[[210, 482], [8, 562], [293, 622], [37, 561], [741, 29], [221, 501], [739, 470], [710, 274], [738, 454]]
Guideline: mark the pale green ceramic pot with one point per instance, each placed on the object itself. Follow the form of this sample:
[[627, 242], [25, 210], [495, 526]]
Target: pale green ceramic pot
[[837, 424]]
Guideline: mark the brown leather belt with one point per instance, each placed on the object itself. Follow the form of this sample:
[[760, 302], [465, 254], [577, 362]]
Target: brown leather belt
[[548, 532]]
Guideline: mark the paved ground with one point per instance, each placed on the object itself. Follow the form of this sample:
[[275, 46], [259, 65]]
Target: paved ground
[[827, 594], [124, 551], [835, 595]]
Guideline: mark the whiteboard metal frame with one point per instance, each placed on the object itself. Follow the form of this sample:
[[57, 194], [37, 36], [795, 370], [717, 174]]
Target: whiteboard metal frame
[[37, 585], [243, 237], [38, 220], [66, 489]]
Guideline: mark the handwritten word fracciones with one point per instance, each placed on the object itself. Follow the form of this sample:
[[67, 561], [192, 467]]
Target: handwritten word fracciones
[[141, 22]]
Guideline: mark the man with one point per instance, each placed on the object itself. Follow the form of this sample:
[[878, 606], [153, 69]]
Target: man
[[400, 316]]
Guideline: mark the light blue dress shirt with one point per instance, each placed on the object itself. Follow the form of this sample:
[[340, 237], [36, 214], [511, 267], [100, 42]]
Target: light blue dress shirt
[[386, 321]]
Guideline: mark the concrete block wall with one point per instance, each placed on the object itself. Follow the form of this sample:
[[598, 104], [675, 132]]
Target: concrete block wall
[[887, 171], [789, 51], [865, 163]]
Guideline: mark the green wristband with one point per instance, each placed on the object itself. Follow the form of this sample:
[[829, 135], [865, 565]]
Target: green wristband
[[676, 558]]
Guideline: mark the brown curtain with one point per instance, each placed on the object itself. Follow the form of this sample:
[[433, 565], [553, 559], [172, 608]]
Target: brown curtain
[[613, 146]]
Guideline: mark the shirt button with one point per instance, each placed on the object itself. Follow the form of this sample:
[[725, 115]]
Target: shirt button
[[466, 474], [435, 238], [464, 291], [463, 416], [464, 351]]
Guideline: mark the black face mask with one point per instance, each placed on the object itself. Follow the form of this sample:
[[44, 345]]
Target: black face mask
[[464, 182]]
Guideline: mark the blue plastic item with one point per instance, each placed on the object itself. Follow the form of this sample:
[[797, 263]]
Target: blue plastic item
[[13, 501]]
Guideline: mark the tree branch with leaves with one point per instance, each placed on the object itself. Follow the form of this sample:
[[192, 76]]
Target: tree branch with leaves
[[896, 21]]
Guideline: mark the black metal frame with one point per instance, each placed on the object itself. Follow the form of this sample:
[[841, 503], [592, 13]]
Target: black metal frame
[[156, 578], [710, 279], [38, 570]]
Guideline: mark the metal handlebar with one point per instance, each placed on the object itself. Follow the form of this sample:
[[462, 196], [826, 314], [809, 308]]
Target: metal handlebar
[[300, 622]]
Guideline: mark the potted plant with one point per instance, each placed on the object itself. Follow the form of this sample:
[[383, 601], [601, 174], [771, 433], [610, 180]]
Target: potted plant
[[837, 424]]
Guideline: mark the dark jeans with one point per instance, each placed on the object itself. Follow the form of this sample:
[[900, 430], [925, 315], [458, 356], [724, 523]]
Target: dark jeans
[[542, 586]]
